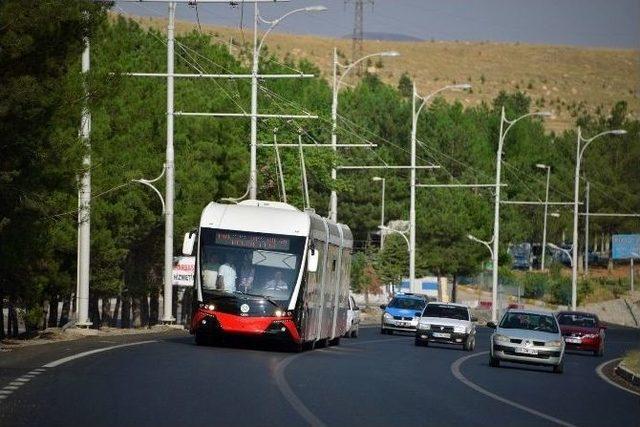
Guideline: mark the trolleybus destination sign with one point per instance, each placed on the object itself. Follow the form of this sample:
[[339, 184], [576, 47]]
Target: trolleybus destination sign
[[252, 240]]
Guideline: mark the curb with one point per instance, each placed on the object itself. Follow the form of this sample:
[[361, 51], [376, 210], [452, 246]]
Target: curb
[[627, 374]]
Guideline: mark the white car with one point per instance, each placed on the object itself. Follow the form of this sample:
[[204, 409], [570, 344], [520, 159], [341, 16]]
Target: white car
[[353, 319], [446, 323], [525, 336]]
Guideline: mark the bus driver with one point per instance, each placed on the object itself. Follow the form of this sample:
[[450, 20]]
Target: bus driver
[[277, 284]]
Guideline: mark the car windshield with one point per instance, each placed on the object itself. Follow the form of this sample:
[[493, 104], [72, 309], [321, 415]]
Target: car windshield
[[529, 321], [446, 311], [407, 303], [259, 264], [580, 320]]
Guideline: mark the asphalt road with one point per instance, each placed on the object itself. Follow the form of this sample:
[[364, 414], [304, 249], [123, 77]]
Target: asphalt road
[[373, 380]]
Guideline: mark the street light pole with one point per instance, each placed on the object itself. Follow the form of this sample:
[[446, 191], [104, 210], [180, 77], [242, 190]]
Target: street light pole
[[169, 171], [333, 200], [412, 209], [496, 218], [546, 208], [383, 180], [253, 173], [84, 196], [574, 248], [586, 230]]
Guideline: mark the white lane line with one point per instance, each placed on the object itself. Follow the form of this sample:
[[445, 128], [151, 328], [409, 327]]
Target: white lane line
[[613, 383], [290, 396], [3, 396], [10, 387], [455, 370], [22, 380], [6, 391], [40, 370], [64, 360]]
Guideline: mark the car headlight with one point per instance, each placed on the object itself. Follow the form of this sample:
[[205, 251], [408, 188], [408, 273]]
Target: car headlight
[[424, 325], [387, 316], [459, 329], [554, 343], [500, 338]]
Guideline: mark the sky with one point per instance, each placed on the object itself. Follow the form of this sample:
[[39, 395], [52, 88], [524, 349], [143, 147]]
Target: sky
[[595, 23]]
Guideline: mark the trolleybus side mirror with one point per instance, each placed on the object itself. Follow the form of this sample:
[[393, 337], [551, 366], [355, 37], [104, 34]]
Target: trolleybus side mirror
[[188, 243], [312, 260]]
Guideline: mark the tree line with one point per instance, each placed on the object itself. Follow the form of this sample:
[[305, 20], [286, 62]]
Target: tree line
[[41, 97]]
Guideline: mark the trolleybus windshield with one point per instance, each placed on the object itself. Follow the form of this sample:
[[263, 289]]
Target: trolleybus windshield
[[259, 264]]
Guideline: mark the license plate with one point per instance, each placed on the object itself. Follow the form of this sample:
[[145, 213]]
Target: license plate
[[526, 351], [401, 323], [573, 340], [441, 335]]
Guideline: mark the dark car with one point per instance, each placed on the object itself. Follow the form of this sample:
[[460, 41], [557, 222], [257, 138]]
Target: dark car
[[582, 331]]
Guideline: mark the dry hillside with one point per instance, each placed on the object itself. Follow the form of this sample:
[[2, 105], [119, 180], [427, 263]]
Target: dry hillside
[[561, 79]]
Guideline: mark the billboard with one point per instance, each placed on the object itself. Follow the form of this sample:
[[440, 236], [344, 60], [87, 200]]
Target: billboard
[[183, 270], [623, 246]]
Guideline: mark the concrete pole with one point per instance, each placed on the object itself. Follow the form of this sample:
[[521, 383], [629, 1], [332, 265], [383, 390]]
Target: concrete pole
[[382, 215], [496, 223], [544, 227], [84, 215], [333, 201], [412, 209], [170, 166], [574, 246], [253, 174], [586, 232]]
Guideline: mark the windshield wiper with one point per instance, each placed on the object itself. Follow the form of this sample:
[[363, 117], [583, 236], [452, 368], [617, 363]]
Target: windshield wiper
[[265, 297]]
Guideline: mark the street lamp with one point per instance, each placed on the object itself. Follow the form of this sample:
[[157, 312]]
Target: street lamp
[[253, 174], [385, 229], [579, 152], [383, 180], [566, 252], [546, 206], [333, 200], [414, 127], [496, 219], [486, 243]]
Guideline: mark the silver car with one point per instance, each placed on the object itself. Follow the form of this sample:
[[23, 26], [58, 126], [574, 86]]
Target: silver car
[[525, 336]]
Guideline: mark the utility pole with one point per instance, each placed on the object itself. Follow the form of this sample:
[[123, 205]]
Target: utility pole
[[84, 196], [586, 231], [169, 171], [358, 29]]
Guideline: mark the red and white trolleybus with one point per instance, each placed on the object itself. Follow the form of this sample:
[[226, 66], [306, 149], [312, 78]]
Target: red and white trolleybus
[[267, 269]]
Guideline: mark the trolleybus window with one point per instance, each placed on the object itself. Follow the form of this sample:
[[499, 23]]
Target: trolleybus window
[[253, 263]]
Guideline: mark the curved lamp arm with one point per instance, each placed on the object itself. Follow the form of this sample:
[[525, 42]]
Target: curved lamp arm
[[590, 140], [426, 99], [149, 183], [349, 67], [275, 22], [392, 231]]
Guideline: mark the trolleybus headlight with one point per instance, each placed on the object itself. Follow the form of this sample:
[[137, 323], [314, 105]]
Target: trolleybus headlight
[[279, 313], [209, 307]]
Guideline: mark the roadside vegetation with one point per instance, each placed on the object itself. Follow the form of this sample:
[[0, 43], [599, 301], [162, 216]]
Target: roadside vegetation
[[41, 97]]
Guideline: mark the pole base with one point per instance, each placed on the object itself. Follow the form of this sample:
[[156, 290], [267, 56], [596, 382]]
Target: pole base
[[168, 320], [86, 324]]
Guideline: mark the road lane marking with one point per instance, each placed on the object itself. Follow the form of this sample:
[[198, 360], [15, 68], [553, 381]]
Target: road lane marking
[[455, 370], [6, 391], [607, 379], [290, 396], [64, 360], [11, 387]]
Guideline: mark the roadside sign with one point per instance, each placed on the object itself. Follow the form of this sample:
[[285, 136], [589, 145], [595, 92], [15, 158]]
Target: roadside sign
[[624, 245], [183, 270]]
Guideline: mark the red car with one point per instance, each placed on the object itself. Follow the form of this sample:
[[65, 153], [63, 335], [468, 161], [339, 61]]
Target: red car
[[582, 331]]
